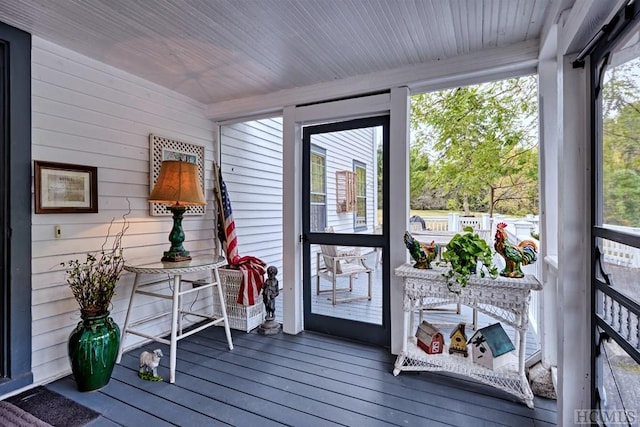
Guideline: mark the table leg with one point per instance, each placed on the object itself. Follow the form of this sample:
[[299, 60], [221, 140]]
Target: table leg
[[174, 328], [407, 319], [518, 335], [407, 325], [136, 281], [521, 351], [180, 314], [223, 308]]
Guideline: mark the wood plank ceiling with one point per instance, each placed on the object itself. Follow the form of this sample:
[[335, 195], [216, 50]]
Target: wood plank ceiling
[[221, 50]]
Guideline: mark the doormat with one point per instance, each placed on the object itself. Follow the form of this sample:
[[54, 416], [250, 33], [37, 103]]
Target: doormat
[[12, 416], [53, 408]]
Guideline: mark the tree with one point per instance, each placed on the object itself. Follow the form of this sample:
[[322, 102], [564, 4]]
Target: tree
[[418, 172], [620, 145], [482, 139]]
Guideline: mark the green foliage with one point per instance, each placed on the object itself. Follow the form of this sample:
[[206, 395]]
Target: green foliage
[[418, 172], [482, 140], [622, 190], [93, 280], [462, 253], [148, 376], [621, 145]]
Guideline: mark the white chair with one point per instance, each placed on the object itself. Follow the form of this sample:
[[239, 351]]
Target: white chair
[[333, 264]]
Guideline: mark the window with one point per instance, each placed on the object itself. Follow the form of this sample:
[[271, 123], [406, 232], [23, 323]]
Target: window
[[318, 214], [361, 195]]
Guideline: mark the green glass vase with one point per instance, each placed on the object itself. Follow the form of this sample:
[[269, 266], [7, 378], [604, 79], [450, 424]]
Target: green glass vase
[[93, 348]]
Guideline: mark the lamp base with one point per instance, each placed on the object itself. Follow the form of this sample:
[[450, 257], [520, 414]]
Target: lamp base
[[177, 252], [172, 256]]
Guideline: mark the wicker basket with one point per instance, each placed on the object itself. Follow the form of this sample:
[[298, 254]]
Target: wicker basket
[[241, 317]]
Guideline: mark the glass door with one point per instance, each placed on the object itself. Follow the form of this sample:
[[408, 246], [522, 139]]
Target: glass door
[[615, 82], [346, 282]]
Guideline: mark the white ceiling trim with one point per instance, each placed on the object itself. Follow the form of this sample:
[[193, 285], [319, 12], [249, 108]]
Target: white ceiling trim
[[345, 109], [480, 66], [584, 21], [459, 80]]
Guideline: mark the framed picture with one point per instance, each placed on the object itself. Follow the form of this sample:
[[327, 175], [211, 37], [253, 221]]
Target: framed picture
[[162, 148], [65, 188]]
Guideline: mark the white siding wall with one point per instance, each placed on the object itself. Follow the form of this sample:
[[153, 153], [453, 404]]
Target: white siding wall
[[87, 113], [252, 170], [251, 161]]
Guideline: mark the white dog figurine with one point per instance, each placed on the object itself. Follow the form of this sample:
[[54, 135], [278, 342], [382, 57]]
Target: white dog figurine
[[149, 361]]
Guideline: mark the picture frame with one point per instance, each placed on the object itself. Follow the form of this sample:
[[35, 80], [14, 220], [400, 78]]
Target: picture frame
[[65, 188], [162, 148]]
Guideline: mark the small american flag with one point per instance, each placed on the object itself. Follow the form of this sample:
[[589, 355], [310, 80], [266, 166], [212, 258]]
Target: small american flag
[[226, 224], [252, 268]]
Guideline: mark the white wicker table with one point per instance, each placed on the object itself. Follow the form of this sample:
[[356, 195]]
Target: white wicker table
[[175, 270], [504, 299]]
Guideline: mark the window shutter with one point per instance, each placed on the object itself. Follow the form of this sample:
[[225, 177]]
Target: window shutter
[[345, 191]]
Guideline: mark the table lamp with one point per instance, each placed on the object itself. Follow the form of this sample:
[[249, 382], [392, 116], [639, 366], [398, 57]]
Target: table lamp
[[178, 186]]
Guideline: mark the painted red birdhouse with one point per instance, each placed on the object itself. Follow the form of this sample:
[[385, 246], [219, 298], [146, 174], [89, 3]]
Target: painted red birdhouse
[[429, 338]]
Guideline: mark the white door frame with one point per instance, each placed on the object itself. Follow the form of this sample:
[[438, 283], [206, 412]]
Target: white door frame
[[396, 103]]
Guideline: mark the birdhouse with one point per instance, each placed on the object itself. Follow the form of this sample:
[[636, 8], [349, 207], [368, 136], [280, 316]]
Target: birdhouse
[[429, 338], [490, 346], [458, 340]]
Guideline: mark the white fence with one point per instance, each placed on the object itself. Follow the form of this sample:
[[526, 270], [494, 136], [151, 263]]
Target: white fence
[[621, 254], [518, 228], [547, 269], [451, 222]]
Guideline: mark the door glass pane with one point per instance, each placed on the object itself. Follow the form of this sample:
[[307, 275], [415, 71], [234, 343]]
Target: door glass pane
[[620, 147], [619, 203], [346, 189], [621, 383], [346, 181], [622, 264], [356, 275]]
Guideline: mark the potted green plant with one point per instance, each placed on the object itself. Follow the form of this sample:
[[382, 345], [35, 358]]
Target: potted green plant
[[93, 344], [462, 254]]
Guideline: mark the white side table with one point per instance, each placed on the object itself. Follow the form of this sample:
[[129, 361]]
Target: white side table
[[174, 271], [504, 299]]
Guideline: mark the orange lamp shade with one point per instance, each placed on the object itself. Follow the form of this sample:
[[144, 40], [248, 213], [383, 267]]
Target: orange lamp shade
[[178, 184]]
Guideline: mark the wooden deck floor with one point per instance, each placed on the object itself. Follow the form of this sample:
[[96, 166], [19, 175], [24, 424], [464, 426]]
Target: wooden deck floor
[[303, 380]]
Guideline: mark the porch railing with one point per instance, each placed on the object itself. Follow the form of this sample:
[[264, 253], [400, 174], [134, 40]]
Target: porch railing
[[518, 230]]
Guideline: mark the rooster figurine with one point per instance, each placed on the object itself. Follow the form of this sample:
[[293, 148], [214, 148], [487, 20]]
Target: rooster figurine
[[422, 253], [524, 253]]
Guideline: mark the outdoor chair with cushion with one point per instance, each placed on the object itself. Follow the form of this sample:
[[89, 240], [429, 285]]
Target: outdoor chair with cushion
[[334, 264]]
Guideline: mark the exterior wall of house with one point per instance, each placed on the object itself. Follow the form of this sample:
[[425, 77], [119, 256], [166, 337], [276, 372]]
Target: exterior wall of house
[[87, 113], [251, 164]]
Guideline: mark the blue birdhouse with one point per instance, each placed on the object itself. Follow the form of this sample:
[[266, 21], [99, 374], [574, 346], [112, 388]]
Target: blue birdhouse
[[490, 347]]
